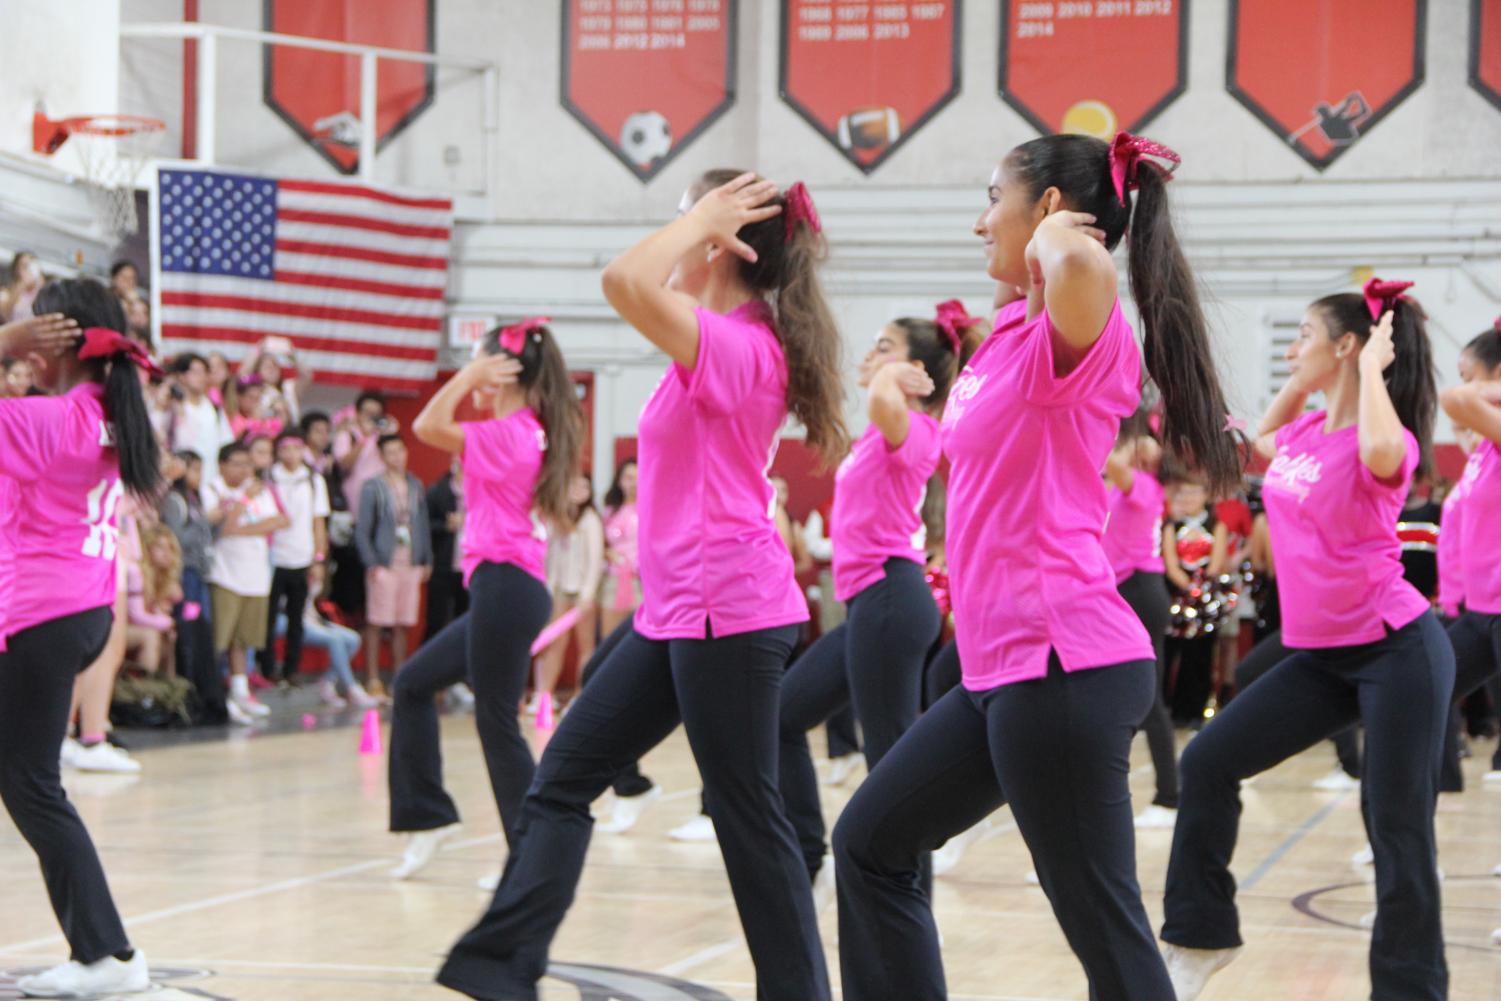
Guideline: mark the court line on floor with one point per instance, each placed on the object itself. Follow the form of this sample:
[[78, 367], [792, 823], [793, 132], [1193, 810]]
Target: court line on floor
[[1291, 841]]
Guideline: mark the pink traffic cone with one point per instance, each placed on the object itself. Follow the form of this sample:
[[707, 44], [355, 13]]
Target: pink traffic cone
[[370, 733]]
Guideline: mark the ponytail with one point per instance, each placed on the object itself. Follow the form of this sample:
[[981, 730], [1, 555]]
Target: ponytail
[[1175, 341], [789, 252], [550, 393], [1410, 379], [1175, 335], [1485, 347], [90, 304], [930, 345]]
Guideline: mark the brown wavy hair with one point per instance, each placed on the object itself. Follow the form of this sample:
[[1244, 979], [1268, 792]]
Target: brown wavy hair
[[785, 275]]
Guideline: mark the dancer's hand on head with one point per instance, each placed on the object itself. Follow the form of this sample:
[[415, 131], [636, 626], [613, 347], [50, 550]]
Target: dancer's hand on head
[[911, 378], [723, 211], [1379, 350], [492, 371], [47, 335], [1052, 225]]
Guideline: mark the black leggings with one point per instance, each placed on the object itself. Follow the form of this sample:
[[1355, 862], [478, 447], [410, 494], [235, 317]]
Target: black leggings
[[630, 781], [1060, 748], [725, 692], [1148, 597], [1476, 637], [1267, 654], [491, 647], [1400, 688], [874, 659], [36, 696]]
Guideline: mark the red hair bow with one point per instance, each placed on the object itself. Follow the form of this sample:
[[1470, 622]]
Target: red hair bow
[[513, 338], [951, 319], [798, 207], [102, 342], [1126, 152], [1380, 295]]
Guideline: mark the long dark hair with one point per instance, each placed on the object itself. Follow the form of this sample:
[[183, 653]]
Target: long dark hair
[[90, 304], [930, 346], [549, 392], [1175, 335], [1486, 347], [1410, 379], [615, 496], [785, 273]]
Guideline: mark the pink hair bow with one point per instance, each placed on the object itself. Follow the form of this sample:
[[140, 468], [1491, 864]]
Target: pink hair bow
[[513, 338], [798, 207], [1380, 295], [102, 342], [1497, 324], [951, 319], [1126, 152]]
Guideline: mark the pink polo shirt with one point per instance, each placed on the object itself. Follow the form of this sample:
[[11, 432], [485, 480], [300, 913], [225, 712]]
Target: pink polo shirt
[[502, 460], [878, 495], [1133, 533], [1480, 539], [1026, 505], [1451, 583], [710, 551], [1334, 538], [66, 490]]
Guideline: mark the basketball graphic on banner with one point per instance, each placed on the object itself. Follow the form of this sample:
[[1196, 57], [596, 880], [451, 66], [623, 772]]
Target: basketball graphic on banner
[[1357, 60], [646, 79], [868, 76], [1079, 67]]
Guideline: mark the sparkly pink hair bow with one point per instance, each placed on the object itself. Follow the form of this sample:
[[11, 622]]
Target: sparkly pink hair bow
[[1126, 152], [799, 208], [102, 342], [951, 319], [1380, 295], [513, 338]]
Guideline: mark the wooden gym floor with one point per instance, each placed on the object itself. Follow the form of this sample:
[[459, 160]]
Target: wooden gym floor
[[255, 867]]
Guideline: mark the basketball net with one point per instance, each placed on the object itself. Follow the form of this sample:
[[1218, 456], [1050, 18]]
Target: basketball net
[[112, 151]]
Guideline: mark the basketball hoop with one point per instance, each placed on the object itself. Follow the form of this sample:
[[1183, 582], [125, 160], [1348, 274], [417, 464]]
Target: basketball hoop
[[112, 150]]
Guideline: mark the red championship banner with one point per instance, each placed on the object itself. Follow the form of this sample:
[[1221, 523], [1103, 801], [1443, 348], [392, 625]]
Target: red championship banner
[[1093, 67], [647, 76], [318, 93], [1485, 49], [1322, 73], [867, 76]]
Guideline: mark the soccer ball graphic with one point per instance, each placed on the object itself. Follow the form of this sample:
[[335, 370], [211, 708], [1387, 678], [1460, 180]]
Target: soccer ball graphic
[[645, 137]]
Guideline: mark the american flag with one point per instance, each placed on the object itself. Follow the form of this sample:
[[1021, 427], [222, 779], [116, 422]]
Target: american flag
[[354, 275]]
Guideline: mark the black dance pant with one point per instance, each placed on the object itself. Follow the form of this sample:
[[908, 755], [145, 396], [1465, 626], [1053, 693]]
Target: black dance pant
[[1400, 688], [1148, 597], [36, 697], [1267, 654], [630, 782], [1476, 637], [1059, 750], [874, 659], [725, 691], [490, 647]]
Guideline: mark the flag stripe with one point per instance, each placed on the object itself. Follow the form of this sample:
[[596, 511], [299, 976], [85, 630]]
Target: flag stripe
[[356, 285], [253, 305], [426, 279], [389, 197], [415, 372], [271, 323], [341, 242], [331, 250], [357, 205], [303, 342], [276, 293], [363, 223]]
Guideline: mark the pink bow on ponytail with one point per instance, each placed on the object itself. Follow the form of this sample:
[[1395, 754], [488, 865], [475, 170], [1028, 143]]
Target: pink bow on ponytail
[[798, 207], [513, 338], [1126, 152], [951, 319], [102, 342], [1380, 296]]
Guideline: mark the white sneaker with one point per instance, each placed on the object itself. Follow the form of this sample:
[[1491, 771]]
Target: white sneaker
[[825, 892], [489, 883], [1336, 781], [104, 757], [361, 698], [68, 757], [1157, 818], [75, 980], [1031, 878], [421, 847], [628, 810], [1496, 937], [842, 768], [460, 698], [1496, 871], [237, 715], [700, 828], [1190, 969], [250, 707], [1494, 775], [947, 857], [1368, 920], [330, 696], [1366, 856]]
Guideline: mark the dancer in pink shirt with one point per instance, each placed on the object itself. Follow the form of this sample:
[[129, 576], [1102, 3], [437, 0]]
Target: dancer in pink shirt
[[72, 457], [729, 291], [1366, 645]]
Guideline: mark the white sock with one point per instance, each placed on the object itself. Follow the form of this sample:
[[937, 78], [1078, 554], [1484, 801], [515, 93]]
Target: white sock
[[239, 687]]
